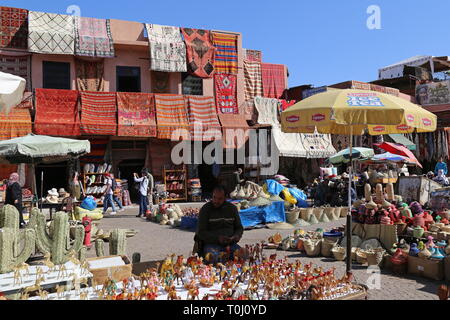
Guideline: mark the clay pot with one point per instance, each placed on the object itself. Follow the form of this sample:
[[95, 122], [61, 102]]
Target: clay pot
[[399, 257], [418, 232]]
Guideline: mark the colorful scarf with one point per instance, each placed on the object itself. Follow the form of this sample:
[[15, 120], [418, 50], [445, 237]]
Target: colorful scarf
[[234, 129], [160, 82], [136, 114], [51, 33], [14, 28], [200, 52], [93, 38], [253, 81], [226, 53], [202, 111], [90, 75], [15, 124], [171, 114], [253, 55], [226, 99], [274, 80], [57, 112], [18, 65], [98, 113], [167, 49]]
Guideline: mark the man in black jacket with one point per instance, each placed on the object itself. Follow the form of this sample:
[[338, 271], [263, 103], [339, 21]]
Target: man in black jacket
[[219, 226]]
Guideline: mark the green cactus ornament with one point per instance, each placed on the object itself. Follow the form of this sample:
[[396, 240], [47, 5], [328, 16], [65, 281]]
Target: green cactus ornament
[[58, 243], [10, 258], [118, 242]]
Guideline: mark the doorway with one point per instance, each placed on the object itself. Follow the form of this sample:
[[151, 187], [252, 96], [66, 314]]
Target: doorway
[[56, 175], [126, 168]]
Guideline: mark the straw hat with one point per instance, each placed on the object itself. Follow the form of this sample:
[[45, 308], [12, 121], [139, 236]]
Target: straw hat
[[53, 192], [52, 196]]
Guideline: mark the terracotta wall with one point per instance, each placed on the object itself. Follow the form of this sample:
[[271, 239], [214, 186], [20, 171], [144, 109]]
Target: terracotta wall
[[36, 67]]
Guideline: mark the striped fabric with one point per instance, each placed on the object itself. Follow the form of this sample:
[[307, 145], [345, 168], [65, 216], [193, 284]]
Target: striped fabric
[[226, 60], [202, 112], [253, 55], [15, 124], [171, 114], [98, 113], [253, 80], [57, 112], [136, 114], [274, 80]]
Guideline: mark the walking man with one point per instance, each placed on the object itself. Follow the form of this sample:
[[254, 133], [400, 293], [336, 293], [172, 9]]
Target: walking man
[[108, 200]]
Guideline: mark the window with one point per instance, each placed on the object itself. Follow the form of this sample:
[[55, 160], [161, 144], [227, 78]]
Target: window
[[192, 85], [56, 75], [128, 79]]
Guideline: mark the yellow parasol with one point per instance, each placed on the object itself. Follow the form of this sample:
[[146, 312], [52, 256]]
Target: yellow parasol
[[351, 112]]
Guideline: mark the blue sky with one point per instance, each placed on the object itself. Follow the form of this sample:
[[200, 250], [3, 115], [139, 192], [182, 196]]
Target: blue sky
[[321, 41]]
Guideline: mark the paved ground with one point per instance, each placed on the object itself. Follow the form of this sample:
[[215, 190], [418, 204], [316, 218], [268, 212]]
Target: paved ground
[[155, 242]]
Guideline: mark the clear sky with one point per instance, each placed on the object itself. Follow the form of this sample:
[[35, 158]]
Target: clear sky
[[321, 41]]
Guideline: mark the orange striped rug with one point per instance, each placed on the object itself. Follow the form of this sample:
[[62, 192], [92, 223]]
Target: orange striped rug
[[253, 86], [15, 124], [226, 58], [171, 114], [98, 113], [202, 110]]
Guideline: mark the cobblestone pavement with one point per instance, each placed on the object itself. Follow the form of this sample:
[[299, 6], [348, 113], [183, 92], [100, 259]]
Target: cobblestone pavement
[[155, 242]]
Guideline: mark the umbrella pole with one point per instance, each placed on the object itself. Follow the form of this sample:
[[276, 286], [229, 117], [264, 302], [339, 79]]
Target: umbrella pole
[[42, 187], [349, 213]]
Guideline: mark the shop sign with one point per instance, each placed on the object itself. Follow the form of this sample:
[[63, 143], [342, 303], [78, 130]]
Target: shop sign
[[364, 100], [410, 118], [379, 128], [292, 118], [427, 122], [434, 93], [318, 117]]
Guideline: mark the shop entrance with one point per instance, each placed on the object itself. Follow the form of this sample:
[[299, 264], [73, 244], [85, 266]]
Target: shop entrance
[[126, 168], [207, 179], [55, 176]]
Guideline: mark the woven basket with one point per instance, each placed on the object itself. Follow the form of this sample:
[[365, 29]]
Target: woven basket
[[312, 247], [361, 256], [401, 227], [339, 253], [327, 246], [305, 213], [353, 256], [292, 216], [375, 256], [329, 211], [318, 212], [343, 212]]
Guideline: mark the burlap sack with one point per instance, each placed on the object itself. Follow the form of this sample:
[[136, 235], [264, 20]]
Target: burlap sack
[[318, 212], [388, 235]]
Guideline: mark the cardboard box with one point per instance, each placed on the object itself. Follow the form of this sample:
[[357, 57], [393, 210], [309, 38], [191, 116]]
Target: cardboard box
[[142, 267], [117, 273], [447, 268], [431, 269]]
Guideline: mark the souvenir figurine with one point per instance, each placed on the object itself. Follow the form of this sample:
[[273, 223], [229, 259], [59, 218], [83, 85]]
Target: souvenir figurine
[[430, 243], [414, 251]]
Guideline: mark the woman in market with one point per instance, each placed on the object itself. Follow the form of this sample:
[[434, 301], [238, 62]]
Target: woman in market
[[441, 165], [14, 195]]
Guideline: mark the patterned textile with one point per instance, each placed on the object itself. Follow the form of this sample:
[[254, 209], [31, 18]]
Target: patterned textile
[[253, 80], [226, 95], [98, 113], [203, 110], [200, 52], [171, 114], [14, 28], [234, 129], [90, 75], [267, 110], [167, 49], [160, 82], [226, 53], [274, 80], [340, 142], [17, 65], [192, 85], [93, 38], [250, 112], [57, 112], [136, 114], [51, 33], [253, 55], [15, 124]]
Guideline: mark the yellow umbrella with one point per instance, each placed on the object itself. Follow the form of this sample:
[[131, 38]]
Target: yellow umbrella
[[351, 112]]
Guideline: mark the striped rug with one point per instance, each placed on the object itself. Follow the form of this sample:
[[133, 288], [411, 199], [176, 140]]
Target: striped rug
[[274, 80], [15, 124], [98, 113], [253, 86], [226, 59], [171, 114], [136, 114], [202, 110]]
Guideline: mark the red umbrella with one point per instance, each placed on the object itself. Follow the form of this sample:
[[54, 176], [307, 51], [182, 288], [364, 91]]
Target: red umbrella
[[399, 149]]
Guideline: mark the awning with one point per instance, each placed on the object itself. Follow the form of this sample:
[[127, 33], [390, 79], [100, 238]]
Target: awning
[[401, 139], [299, 145]]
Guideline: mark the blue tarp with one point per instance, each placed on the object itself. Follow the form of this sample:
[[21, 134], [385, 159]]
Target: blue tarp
[[273, 187], [300, 196], [266, 214]]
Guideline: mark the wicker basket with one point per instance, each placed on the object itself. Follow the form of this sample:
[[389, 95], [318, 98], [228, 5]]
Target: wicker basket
[[292, 216], [312, 247], [375, 256], [318, 212], [304, 213], [329, 211], [343, 212], [327, 246], [401, 227], [353, 256], [339, 253], [361, 256]]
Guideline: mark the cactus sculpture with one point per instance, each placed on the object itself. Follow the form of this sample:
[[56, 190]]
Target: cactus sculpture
[[9, 260], [100, 248], [118, 242], [58, 243]]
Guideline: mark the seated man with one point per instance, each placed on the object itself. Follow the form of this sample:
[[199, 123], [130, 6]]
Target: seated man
[[219, 226]]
